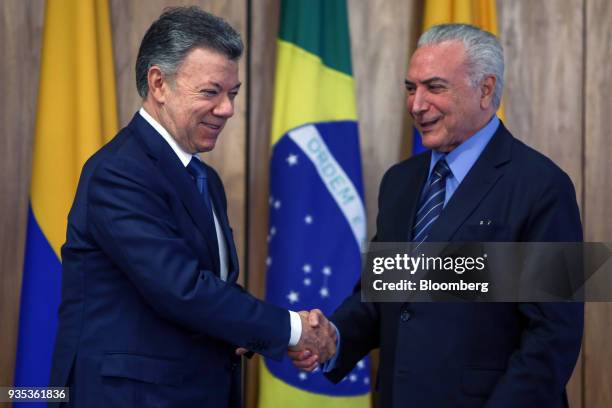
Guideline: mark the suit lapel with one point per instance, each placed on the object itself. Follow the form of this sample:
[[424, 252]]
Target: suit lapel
[[485, 173], [180, 180], [405, 207]]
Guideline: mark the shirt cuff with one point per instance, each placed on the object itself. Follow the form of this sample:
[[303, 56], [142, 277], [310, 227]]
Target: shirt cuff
[[296, 328], [331, 363]]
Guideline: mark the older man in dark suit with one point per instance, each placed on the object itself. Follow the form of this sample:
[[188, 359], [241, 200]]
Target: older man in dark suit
[[465, 354]]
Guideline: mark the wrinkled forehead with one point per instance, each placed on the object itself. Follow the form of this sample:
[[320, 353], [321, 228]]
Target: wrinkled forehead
[[202, 65], [445, 59]]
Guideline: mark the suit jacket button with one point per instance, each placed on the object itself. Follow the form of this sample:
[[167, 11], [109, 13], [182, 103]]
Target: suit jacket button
[[405, 316]]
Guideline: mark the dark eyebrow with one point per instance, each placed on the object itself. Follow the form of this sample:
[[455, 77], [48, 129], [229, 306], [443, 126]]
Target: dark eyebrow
[[219, 87], [216, 85], [427, 81]]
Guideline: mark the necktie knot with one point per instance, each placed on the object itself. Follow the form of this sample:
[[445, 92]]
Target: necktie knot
[[197, 169], [441, 170]]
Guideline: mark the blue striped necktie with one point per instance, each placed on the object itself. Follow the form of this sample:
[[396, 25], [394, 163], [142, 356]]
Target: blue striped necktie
[[198, 171], [432, 202]]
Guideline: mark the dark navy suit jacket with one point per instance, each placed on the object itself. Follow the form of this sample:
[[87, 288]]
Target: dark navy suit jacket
[[472, 354], [145, 320]]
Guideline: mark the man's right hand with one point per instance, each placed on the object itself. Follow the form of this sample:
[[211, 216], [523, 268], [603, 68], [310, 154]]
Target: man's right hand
[[317, 343]]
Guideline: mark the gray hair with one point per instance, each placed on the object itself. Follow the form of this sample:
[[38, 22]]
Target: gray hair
[[178, 31], [484, 52]]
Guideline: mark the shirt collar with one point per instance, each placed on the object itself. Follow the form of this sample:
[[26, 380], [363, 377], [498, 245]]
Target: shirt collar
[[463, 157], [182, 154]]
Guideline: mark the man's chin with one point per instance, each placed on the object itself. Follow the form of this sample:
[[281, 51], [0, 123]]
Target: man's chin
[[430, 140], [207, 146]]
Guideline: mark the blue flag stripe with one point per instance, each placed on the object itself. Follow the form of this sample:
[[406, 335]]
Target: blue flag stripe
[[417, 143], [40, 298]]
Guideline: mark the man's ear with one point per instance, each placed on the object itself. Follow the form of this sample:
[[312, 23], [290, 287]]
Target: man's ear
[[487, 88], [158, 84]]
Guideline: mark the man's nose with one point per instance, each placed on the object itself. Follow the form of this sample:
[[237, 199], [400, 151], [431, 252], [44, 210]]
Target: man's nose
[[417, 103], [225, 107]]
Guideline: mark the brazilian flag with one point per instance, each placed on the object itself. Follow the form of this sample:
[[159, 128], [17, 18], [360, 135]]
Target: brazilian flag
[[317, 216]]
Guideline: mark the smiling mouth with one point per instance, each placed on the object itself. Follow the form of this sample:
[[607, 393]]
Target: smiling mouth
[[212, 126], [428, 124]]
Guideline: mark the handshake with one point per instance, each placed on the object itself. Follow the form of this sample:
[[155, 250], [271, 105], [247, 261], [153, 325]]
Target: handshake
[[317, 343]]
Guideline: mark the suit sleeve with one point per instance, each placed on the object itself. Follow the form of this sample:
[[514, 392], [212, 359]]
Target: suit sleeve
[[539, 370], [131, 220], [357, 324]]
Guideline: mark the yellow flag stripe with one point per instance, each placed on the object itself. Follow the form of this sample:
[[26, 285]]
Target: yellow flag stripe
[[481, 13], [76, 106], [306, 91], [274, 392]]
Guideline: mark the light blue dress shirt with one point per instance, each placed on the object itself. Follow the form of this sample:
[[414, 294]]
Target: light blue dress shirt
[[463, 157], [460, 161]]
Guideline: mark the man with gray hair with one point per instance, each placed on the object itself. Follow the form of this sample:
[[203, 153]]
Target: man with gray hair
[[151, 314], [477, 183]]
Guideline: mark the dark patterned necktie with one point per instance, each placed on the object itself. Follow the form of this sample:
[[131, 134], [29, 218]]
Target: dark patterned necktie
[[431, 203]]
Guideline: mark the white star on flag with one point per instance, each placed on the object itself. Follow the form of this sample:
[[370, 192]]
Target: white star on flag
[[308, 219], [326, 271], [366, 380], [324, 292], [306, 268], [307, 281], [303, 376], [361, 365], [292, 159], [272, 231], [293, 297], [268, 261], [352, 378], [277, 204]]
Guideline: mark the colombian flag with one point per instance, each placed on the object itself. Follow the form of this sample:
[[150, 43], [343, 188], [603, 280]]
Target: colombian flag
[[317, 215], [76, 115], [481, 13]]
